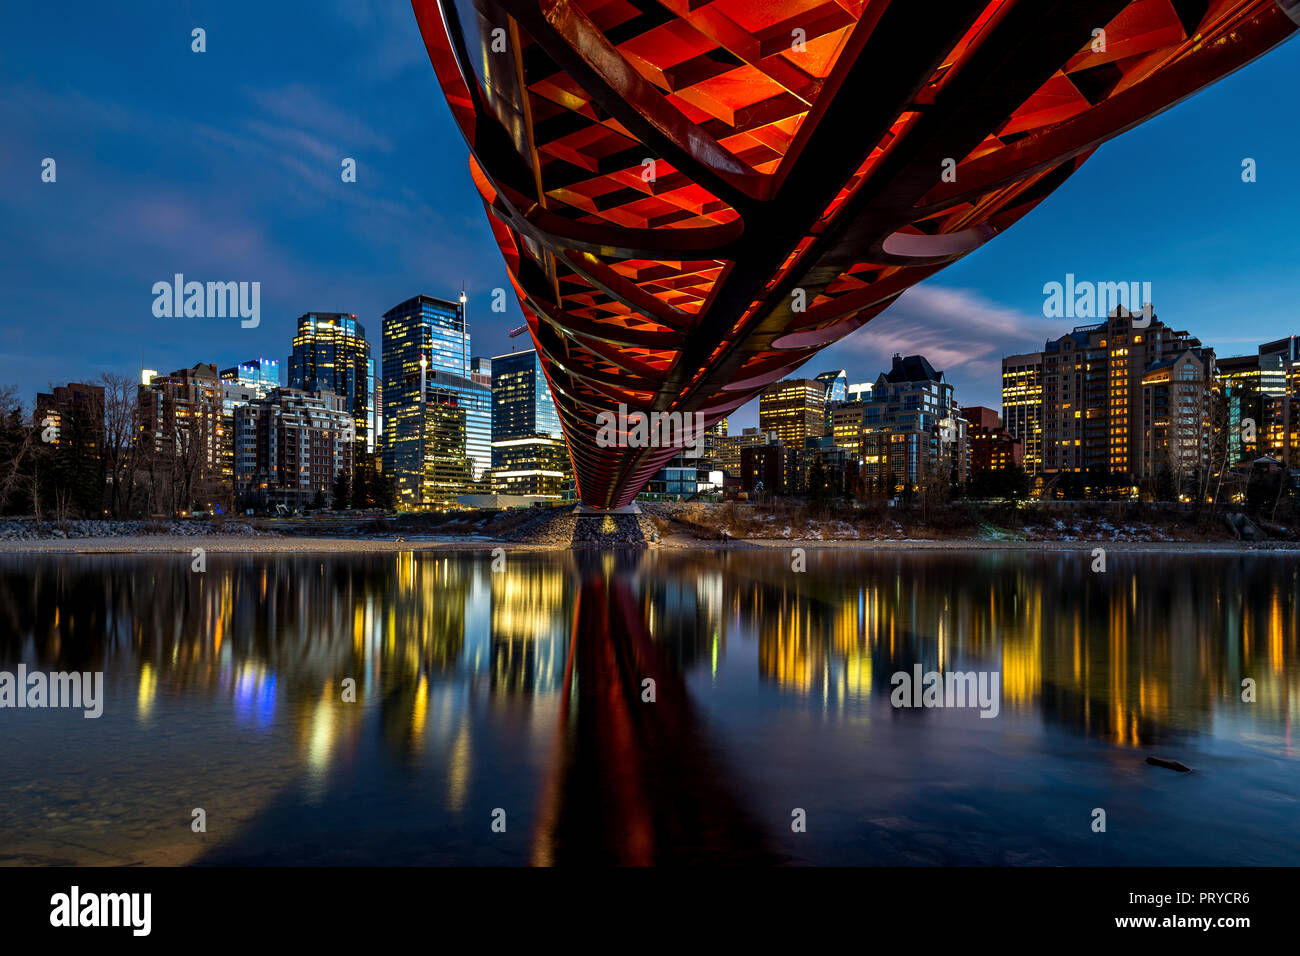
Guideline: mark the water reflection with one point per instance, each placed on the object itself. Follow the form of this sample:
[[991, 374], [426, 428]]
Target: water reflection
[[525, 689]]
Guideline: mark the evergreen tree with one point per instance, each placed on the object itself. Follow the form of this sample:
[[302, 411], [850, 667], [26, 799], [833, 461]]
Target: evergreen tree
[[817, 479], [342, 491]]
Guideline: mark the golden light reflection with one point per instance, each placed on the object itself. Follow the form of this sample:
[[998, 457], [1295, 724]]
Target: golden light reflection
[[147, 692], [459, 768], [430, 640]]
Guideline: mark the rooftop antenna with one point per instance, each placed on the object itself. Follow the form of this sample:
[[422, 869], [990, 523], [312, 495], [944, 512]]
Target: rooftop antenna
[[464, 331]]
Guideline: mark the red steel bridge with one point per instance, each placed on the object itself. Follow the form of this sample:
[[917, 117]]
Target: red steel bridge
[[693, 197]]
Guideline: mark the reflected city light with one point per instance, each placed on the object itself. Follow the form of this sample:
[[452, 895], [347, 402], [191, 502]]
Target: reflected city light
[[535, 680]]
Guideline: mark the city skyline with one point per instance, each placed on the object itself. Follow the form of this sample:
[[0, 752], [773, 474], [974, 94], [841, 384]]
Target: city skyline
[[679, 434], [170, 159]]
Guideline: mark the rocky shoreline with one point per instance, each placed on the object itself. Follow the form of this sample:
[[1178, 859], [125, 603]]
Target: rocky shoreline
[[552, 529], [565, 529], [26, 529]]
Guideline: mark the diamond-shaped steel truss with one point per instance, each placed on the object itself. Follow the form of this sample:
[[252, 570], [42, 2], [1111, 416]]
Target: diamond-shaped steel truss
[[695, 196]]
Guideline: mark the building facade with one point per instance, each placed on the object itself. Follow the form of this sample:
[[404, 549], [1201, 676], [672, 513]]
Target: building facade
[[529, 455], [1022, 405], [426, 360], [330, 353], [793, 410], [290, 447], [260, 375], [75, 404], [992, 447], [912, 429], [1082, 398], [763, 468], [1177, 426], [182, 439]]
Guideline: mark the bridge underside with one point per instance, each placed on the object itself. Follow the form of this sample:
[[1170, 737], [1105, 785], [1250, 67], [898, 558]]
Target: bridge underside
[[694, 197]]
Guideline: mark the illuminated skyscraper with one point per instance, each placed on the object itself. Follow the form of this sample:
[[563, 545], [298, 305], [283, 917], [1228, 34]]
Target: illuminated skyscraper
[[432, 331], [794, 409], [529, 456], [1022, 405], [837, 385], [331, 354]]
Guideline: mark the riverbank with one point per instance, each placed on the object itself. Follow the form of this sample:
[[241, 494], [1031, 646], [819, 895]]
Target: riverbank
[[1041, 526], [292, 544]]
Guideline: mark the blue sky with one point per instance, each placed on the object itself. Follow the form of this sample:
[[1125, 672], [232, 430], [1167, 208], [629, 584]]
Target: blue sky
[[225, 166]]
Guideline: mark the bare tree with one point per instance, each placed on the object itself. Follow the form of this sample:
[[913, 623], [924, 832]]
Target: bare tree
[[121, 450], [16, 443]]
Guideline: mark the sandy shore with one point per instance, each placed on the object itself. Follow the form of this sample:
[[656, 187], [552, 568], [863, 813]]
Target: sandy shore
[[249, 544]]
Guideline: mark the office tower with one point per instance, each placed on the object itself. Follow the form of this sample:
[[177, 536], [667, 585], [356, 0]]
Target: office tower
[[1022, 405], [837, 390], [480, 370], [290, 446], [837, 385], [715, 441], [261, 375], [847, 423], [1276, 361], [426, 362], [794, 410], [330, 353], [858, 392], [1246, 407], [730, 448], [1286, 413], [529, 455]]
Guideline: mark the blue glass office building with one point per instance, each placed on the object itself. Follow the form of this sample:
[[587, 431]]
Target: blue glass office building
[[529, 456], [434, 329]]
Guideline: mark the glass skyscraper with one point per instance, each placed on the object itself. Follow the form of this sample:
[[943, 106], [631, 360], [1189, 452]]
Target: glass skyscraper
[[529, 456], [262, 375], [521, 401], [420, 444], [330, 353], [837, 385]]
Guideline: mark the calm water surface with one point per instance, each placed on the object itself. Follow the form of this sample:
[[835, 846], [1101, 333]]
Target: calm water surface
[[522, 691]]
